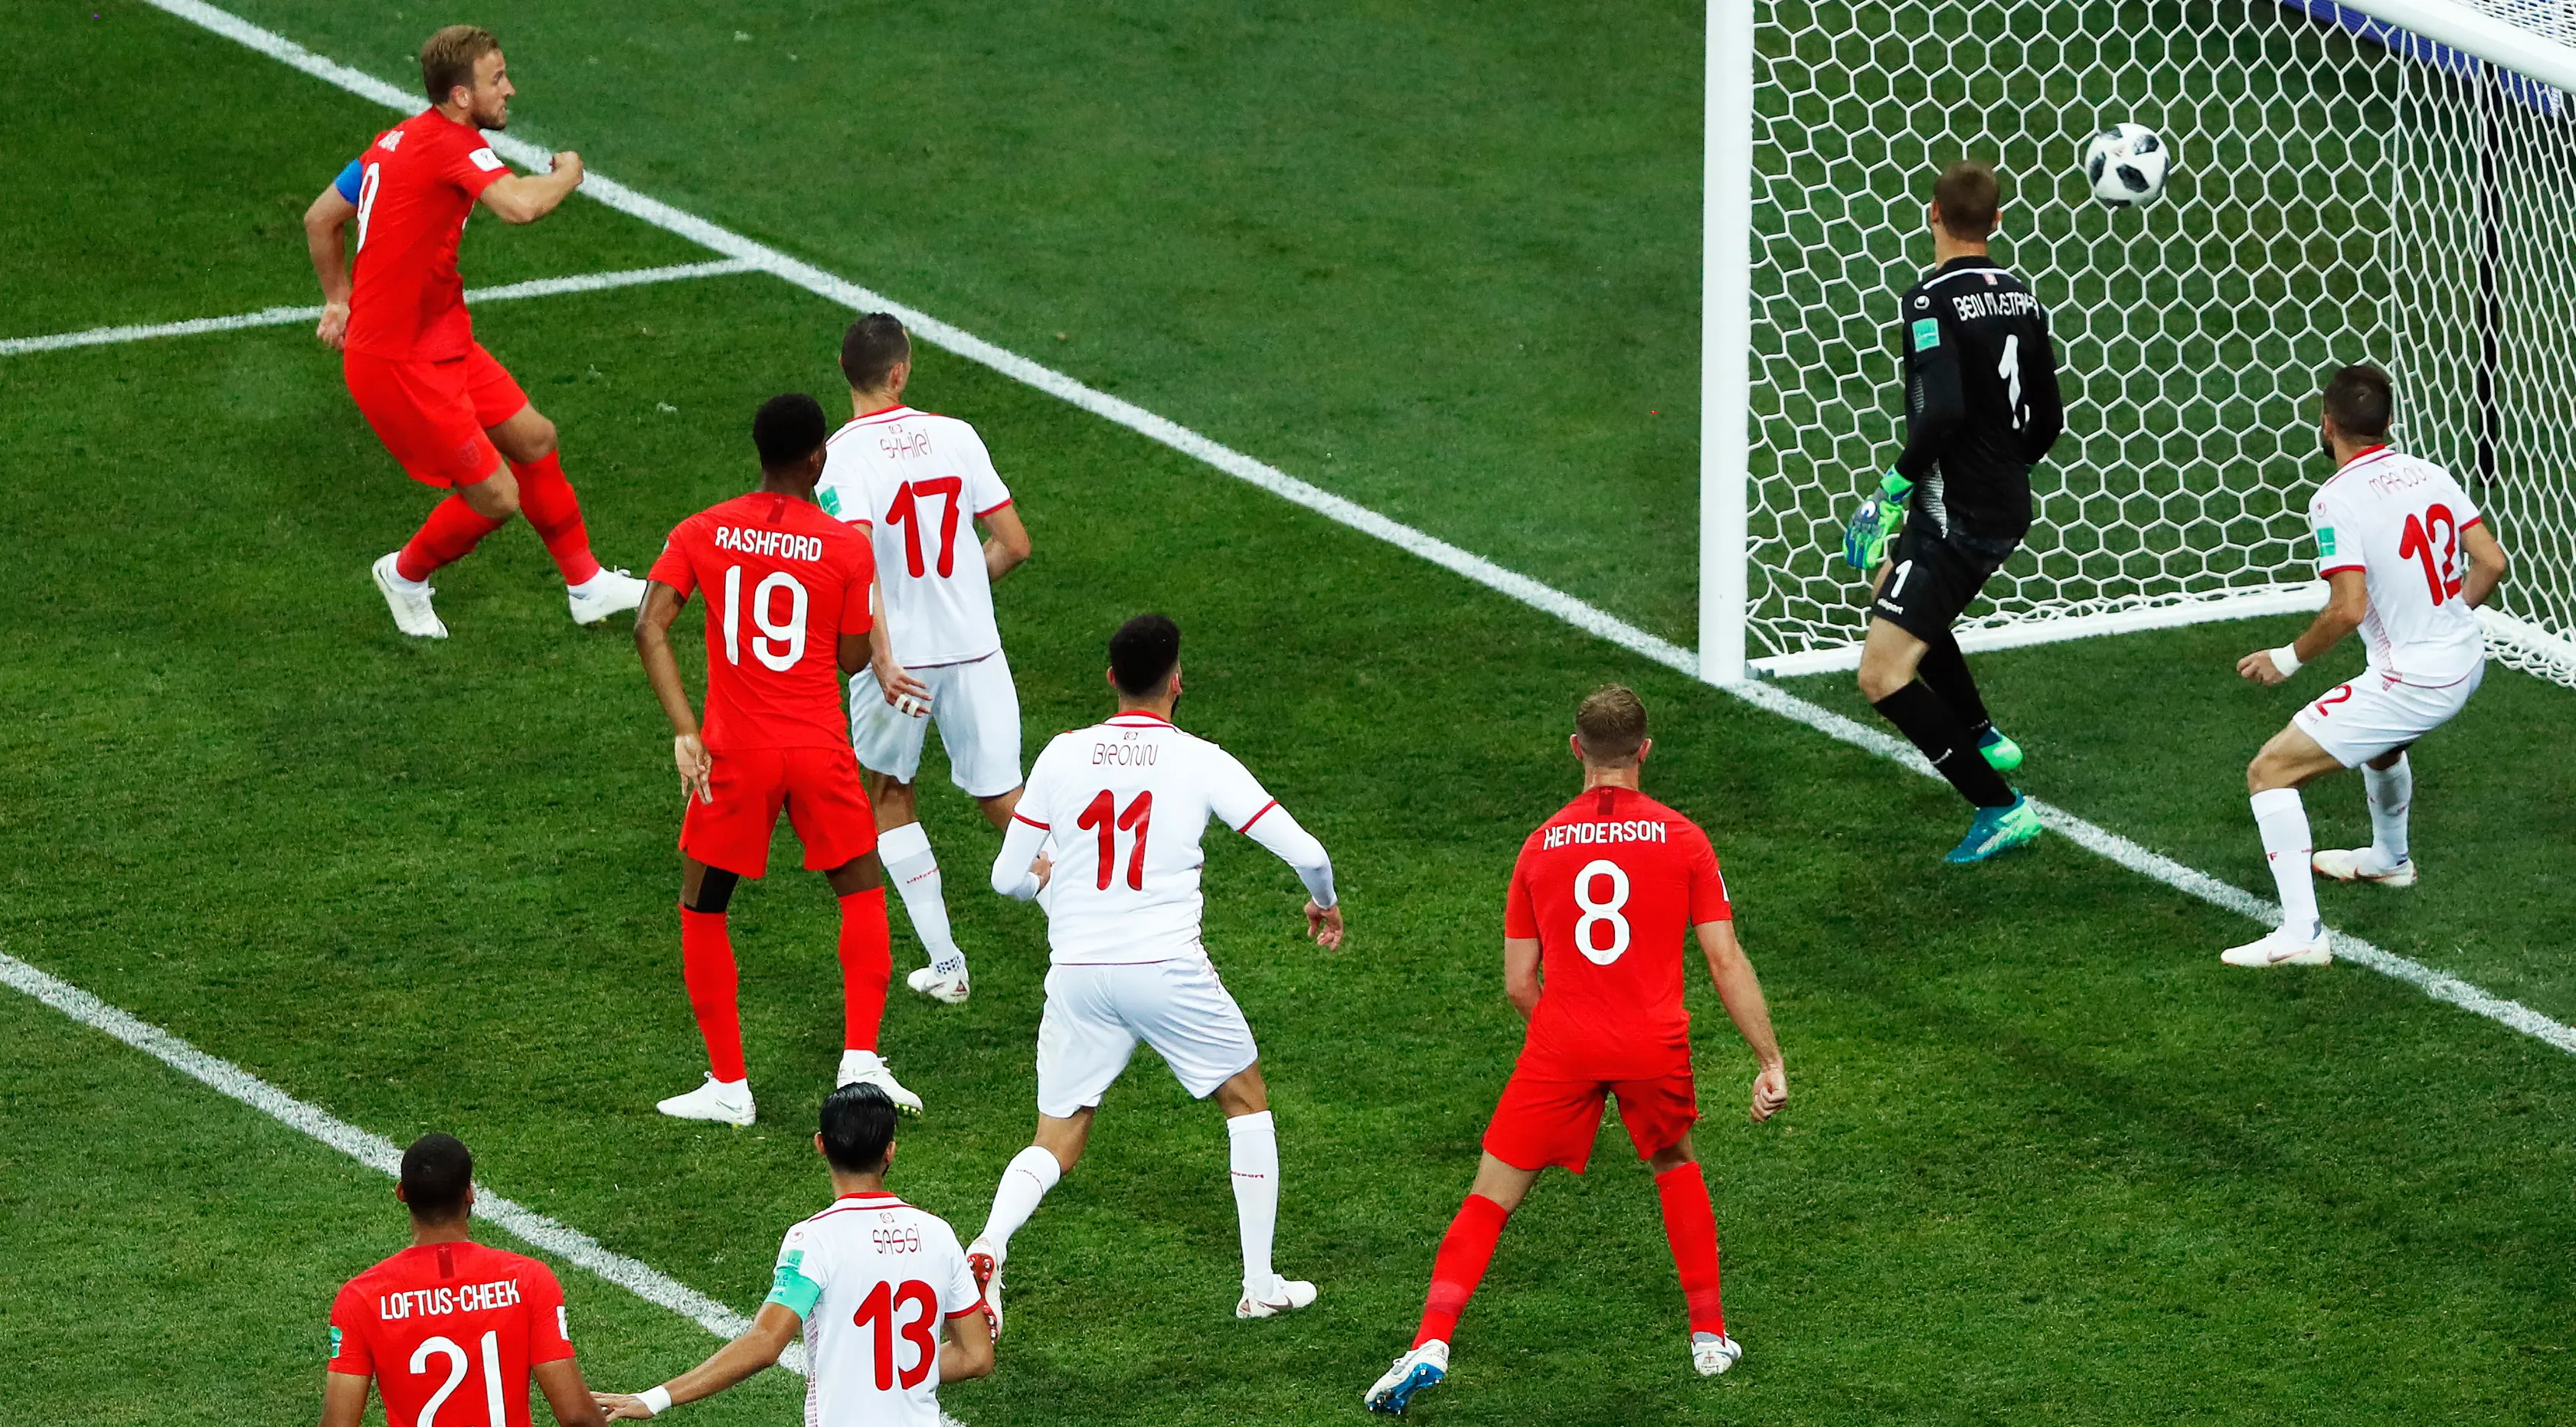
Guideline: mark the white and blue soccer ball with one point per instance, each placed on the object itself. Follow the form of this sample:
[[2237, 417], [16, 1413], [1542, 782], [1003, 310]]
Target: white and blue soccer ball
[[2126, 165]]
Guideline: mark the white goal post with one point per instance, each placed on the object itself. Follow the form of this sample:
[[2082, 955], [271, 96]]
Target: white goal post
[[2390, 181]]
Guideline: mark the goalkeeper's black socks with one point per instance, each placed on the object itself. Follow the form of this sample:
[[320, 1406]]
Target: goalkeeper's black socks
[[1929, 723], [1945, 670]]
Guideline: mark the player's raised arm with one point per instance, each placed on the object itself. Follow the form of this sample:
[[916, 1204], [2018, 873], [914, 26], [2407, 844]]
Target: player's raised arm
[[662, 670], [326, 225], [757, 1349]]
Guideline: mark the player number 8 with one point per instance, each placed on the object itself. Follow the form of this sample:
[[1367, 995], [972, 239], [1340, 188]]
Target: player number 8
[[1597, 913]]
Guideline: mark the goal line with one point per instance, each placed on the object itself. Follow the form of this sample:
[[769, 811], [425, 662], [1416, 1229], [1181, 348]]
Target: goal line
[[290, 316]]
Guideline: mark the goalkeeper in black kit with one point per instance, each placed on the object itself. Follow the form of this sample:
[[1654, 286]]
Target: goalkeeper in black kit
[[1981, 408]]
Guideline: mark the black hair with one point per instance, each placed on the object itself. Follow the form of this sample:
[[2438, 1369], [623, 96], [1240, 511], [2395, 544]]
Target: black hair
[[2361, 401], [873, 347], [788, 429], [1143, 653], [437, 1173], [858, 1128]]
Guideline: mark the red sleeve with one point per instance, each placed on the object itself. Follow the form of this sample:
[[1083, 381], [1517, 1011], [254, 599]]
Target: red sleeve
[[349, 1352], [472, 166], [1520, 919], [855, 615], [672, 566], [549, 1335], [1708, 901]]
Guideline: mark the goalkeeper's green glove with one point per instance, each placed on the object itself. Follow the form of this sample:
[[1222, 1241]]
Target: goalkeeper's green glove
[[1865, 537]]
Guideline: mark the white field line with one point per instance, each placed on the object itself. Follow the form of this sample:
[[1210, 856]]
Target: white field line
[[1533, 593], [290, 316], [379, 1154]]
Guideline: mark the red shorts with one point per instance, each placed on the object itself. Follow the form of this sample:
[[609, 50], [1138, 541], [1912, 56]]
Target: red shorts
[[1544, 1120], [432, 415], [820, 789]]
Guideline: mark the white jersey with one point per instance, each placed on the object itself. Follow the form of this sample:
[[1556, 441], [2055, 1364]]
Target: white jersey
[[2398, 520], [875, 1281], [1121, 807], [919, 482]]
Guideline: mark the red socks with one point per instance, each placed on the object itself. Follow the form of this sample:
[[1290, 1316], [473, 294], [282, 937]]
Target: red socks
[[451, 530], [867, 964], [1692, 1227], [706, 963], [546, 499], [1464, 1252]]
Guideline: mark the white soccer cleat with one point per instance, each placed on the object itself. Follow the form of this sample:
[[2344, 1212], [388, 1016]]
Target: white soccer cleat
[[2283, 947], [2361, 864], [986, 1264], [1424, 1367], [715, 1100], [868, 1066], [1286, 1295], [1714, 1353], [949, 986], [408, 600], [606, 593]]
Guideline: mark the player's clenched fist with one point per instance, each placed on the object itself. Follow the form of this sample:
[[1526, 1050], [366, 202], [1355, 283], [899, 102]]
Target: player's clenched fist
[[569, 162], [1770, 1092], [2261, 667]]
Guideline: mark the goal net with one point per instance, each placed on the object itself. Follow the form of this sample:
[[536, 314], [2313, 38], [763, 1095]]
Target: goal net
[[2343, 190]]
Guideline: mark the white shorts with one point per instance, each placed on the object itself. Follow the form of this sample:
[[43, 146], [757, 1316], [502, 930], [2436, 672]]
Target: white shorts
[[2359, 721], [978, 713], [1096, 1014]]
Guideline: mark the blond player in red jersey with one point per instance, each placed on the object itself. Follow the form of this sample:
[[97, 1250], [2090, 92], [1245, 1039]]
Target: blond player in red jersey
[[448, 1326], [449, 413], [1592, 957], [789, 592]]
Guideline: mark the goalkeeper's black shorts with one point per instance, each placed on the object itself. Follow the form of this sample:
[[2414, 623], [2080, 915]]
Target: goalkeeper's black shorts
[[1930, 580]]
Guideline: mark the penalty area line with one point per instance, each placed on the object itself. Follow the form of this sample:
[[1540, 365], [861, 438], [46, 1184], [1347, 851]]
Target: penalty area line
[[380, 1154], [289, 316], [1537, 595]]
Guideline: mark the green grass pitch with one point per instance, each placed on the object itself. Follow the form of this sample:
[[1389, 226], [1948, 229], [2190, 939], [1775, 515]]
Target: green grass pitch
[[2047, 1161]]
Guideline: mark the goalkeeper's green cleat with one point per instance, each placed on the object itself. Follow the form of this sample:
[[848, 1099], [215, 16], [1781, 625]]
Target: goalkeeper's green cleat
[[1996, 830], [2002, 754]]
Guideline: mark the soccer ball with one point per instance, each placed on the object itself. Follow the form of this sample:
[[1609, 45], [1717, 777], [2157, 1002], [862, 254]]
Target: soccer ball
[[2125, 164]]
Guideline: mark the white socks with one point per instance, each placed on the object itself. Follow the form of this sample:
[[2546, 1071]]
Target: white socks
[[915, 873], [2284, 823], [2390, 793], [1031, 1173], [1256, 1195]]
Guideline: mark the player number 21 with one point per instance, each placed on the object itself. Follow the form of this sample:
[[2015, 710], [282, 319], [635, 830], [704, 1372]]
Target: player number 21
[[451, 1350], [1605, 911], [780, 643], [879, 1308], [906, 512], [1102, 816]]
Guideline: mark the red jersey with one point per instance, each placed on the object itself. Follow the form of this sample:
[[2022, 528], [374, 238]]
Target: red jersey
[[449, 1331], [1611, 886], [784, 583], [416, 184]]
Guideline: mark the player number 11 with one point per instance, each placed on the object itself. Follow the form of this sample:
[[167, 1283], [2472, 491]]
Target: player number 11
[[1102, 815]]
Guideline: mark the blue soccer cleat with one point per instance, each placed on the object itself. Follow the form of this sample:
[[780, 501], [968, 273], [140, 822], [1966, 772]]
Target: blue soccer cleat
[[1995, 830], [2002, 754], [1423, 1367]]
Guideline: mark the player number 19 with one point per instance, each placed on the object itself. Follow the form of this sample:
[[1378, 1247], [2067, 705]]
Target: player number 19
[[1606, 911], [780, 643]]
